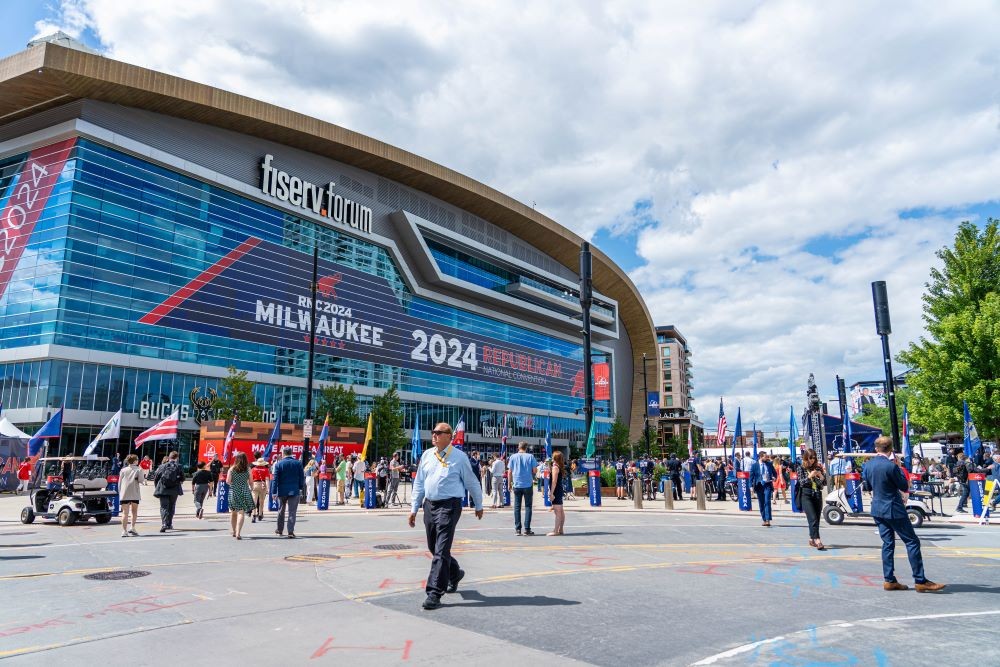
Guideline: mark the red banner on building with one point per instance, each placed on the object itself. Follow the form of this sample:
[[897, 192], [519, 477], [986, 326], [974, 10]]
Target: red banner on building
[[29, 194], [602, 382]]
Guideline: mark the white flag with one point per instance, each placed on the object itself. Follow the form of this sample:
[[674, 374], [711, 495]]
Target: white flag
[[111, 431]]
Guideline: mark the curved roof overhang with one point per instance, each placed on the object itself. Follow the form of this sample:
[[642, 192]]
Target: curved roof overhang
[[47, 75]]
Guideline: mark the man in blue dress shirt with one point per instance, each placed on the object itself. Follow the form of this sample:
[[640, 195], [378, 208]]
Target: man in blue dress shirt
[[443, 477], [887, 482]]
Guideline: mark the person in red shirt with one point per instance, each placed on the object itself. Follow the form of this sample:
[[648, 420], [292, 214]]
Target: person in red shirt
[[260, 478], [23, 476], [146, 464]]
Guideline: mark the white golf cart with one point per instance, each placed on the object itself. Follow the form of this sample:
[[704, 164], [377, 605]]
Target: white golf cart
[[70, 489], [919, 504]]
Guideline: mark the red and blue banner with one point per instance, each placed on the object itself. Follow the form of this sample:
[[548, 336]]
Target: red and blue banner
[[743, 491], [261, 292]]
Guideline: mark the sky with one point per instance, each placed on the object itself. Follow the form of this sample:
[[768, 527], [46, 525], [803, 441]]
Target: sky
[[754, 166]]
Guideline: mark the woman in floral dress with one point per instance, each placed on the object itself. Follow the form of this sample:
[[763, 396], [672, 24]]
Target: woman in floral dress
[[240, 495]]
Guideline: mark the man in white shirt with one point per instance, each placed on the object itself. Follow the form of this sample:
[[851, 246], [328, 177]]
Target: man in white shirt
[[359, 477], [498, 470]]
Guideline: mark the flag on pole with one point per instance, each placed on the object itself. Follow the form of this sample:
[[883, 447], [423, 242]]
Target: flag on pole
[[458, 437], [50, 429], [165, 430], [227, 446], [848, 447], [111, 431], [503, 438], [736, 434], [592, 439], [907, 446], [755, 441], [793, 433], [275, 438], [324, 434], [548, 438], [416, 448], [368, 436], [690, 444], [971, 439], [721, 437]]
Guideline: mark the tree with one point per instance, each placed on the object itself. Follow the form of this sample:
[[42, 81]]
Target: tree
[[236, 396], [387, 424], [959, 359], [341, 404], [617, 441]]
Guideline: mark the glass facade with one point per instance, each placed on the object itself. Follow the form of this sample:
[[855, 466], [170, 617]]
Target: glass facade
[[119, 235]]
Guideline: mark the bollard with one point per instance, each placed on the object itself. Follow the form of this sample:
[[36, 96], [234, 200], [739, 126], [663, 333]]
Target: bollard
[[699, 493], [637, 493], [668, 494]]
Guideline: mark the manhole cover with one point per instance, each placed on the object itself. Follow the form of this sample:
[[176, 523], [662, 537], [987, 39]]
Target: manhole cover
[[115, 575], [395, 547], [311, 558]]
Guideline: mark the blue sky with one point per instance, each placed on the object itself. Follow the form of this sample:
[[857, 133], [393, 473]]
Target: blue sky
[[753, 192]]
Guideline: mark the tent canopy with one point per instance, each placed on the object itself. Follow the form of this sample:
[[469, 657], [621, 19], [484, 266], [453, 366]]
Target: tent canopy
[[8, 430]]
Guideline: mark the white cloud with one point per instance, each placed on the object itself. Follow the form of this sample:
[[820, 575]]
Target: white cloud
[[757, 131]]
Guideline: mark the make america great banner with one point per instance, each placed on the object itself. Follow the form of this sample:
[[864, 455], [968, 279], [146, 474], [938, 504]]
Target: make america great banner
[[260, 292]]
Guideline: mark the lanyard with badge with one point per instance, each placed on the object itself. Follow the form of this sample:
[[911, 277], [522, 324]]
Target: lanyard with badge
[[443, 459]]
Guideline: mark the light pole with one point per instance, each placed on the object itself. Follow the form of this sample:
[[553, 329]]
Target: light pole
[[312, 348], [645, 391], [586, 301], [883, 327]]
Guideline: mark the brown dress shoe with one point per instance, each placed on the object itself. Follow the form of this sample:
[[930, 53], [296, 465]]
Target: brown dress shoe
[[928, 587], [894, 586]]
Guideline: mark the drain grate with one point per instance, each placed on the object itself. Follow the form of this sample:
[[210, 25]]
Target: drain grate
[[394, 547], [116, 575], [311, 558]]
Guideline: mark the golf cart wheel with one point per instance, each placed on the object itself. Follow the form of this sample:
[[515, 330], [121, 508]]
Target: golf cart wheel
[[66, 517], [27, 515], [102, 518], [833, 515], [916, 517]]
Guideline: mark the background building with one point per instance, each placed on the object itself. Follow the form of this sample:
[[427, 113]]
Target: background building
[[158, 231], [675, 377]]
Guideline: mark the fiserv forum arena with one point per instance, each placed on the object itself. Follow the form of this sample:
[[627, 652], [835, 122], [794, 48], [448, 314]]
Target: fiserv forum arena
[[156, 230]]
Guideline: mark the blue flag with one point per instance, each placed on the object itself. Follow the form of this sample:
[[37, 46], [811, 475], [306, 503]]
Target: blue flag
[[737, 432], [755, 441], [847, 429], [51, 429], [907, 447], [503, 438], [548, 438], [274, 439], [793, 433], [416, 448], [324, 434], [972, 441]]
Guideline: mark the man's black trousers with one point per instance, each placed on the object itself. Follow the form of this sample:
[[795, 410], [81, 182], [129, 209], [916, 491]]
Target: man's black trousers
[[440, 520]]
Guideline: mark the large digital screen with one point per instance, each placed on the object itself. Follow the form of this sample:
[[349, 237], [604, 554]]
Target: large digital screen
[[261, 292], [867, 394]]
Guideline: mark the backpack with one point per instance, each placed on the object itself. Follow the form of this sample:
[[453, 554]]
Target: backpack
[[173, 476]]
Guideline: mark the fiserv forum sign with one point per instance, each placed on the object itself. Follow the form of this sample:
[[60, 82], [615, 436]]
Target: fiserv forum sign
[[320, 200]]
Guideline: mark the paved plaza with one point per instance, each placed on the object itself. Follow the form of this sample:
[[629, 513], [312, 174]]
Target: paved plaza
[[623, 586]]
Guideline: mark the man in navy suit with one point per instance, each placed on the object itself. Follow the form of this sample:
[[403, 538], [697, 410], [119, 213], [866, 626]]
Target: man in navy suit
[[887, 483], [762, 475]]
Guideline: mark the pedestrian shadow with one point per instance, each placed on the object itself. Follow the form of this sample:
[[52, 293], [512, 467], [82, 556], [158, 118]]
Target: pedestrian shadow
[[970, 588], [592, 533], [197, 530], [2, 558], [831, 547], [474, 599], [21, 546]]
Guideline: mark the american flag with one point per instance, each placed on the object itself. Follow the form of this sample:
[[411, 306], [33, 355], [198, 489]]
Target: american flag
[[165, 430], [721, 439]]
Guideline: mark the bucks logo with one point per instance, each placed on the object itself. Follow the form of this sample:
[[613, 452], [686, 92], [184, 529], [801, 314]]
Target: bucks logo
[[202, 404]]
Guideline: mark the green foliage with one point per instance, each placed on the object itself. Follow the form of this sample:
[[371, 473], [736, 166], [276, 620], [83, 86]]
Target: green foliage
[[236, 396], [387, 424], [674, 445], [617, 443], [608, 476], [341, 404], [959, 359]]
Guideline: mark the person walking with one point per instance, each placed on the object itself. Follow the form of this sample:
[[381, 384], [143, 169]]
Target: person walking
[[289, 481], [556, 492], [350, 477], [341, 479], [240, 494], [147, 466], [444, 475], [215, 467], [762, 476], [674, 467], [962, 469], [499, 472], [260, 478], [395, 468], [359, 478], [129, 483], [23, 476], [888, 483], [780, 483], [812, 482], [522, 467], [169, 480], [310, 473], [201, 484]]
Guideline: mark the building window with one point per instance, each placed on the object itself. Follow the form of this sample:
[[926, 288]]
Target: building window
[[670, 401]]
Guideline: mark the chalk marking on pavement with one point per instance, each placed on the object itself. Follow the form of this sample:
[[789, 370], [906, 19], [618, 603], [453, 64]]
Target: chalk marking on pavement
[[838, 624]]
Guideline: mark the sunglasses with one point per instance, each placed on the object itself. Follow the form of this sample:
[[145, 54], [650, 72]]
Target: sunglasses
[[440, 432]]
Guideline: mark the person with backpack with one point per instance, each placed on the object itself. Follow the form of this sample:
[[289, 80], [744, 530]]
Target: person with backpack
[[169, 480], [962, 470]]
